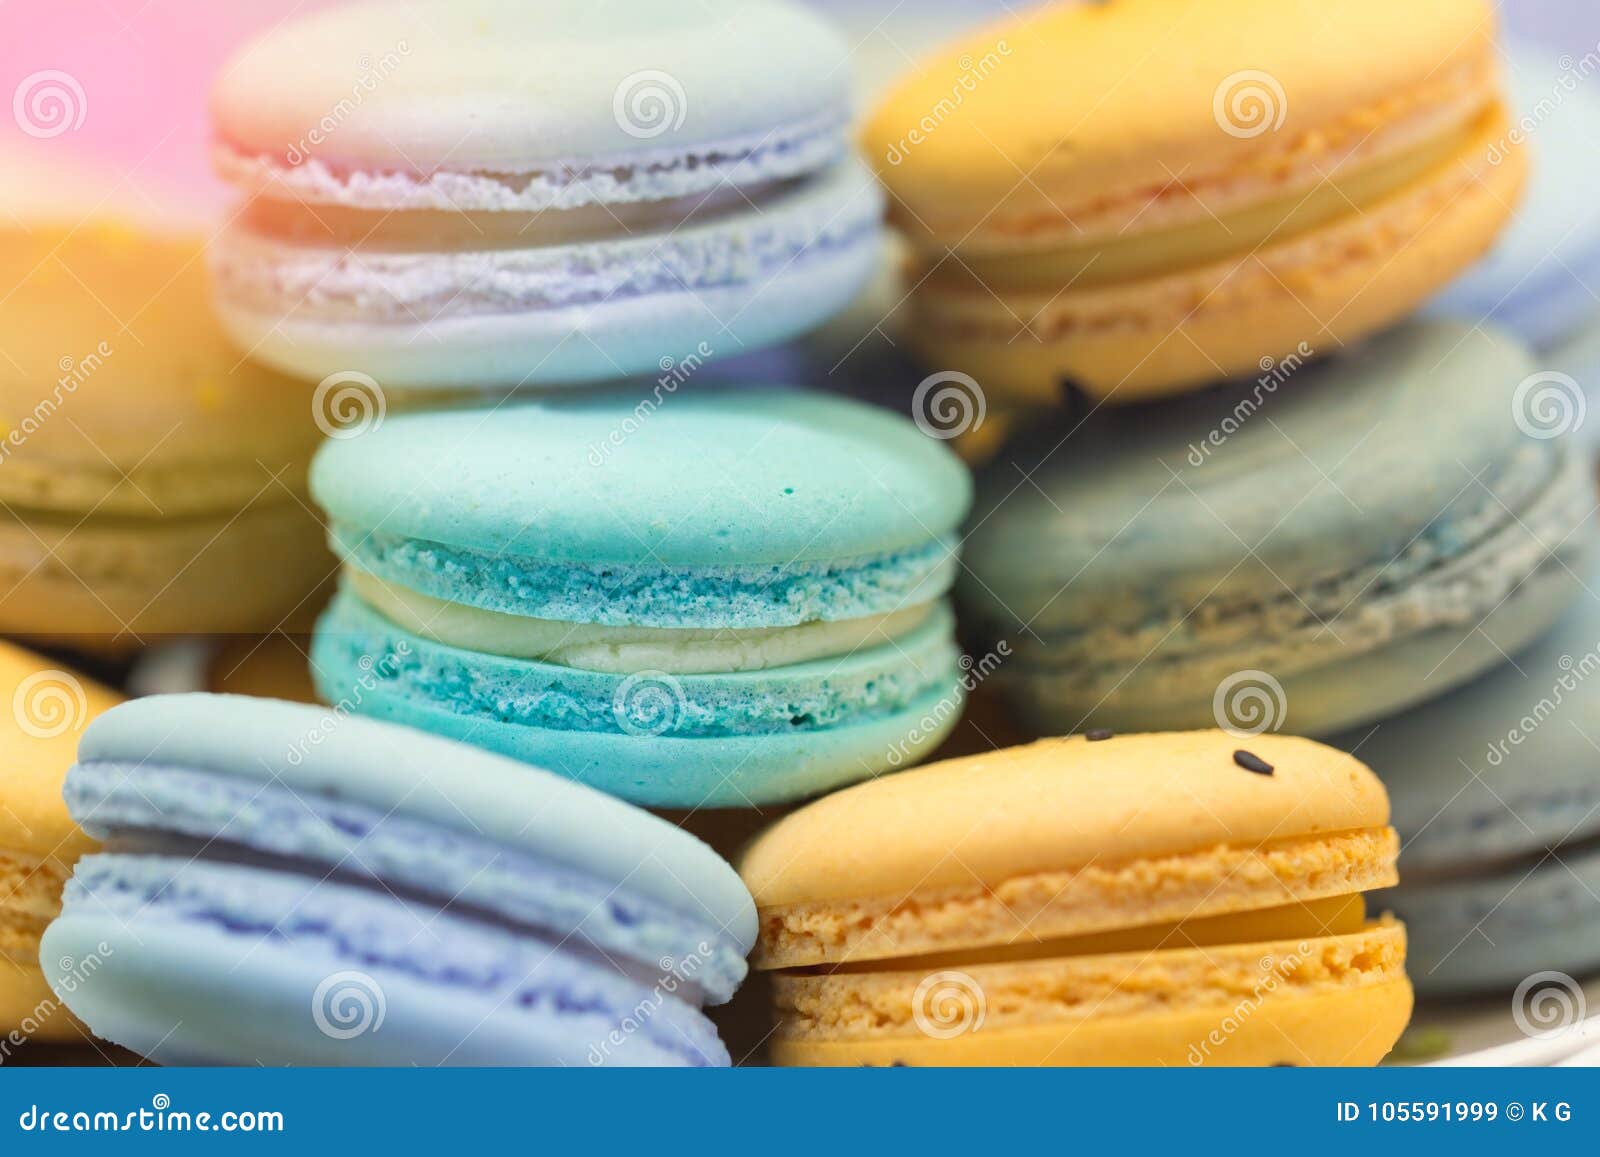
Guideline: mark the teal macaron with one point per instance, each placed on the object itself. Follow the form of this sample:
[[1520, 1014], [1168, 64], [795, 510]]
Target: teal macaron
[[1319, 547], [721, 599]]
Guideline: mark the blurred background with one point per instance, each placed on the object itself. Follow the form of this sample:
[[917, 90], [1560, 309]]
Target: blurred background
[[145, 65]]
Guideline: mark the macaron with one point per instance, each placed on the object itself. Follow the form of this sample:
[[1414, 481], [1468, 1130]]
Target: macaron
[[1320, 547], [1536, 281], [729, 599], [49, 708], [293, 886], [1496, 793], [1166, 899], [155, 485], [1141, 197], [506, 194]]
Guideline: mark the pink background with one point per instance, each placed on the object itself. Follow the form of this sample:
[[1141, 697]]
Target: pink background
[[145, 65]]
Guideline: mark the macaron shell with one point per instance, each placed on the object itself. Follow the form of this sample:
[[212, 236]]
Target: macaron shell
[[498, 85], [998, 104], [1161, 336], [894, 702], [317, 751], [713, 478], [1356, 1028], [1049, 806]]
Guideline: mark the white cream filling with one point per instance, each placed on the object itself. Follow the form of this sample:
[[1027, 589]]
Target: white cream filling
[[622, 650]]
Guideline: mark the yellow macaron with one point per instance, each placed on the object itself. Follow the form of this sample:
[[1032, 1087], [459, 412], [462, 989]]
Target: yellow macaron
[[1141, 196], [1163, 899], [49, 708], [153, 481]]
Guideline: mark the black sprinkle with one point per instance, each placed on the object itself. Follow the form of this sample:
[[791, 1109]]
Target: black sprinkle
[[1284, 1065], [1252, 762], [1098, 734]]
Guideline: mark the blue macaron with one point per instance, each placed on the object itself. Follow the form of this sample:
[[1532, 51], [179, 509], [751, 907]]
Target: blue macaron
[[714, 599], [293, 886], [1540, 279], [551, 193], [1496, 794], [1319, 547]]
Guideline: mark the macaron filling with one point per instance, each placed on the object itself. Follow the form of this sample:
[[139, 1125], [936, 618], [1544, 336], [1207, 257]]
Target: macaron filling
[[143, 807], [792, 226], [784, 594], [622, 650], [510, 973]]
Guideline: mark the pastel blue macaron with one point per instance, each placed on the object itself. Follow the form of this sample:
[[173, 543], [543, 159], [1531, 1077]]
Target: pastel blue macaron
[[726, 598], [1542, 279], [1320, 547], [290, 885], [1496, 794], [537, 194]]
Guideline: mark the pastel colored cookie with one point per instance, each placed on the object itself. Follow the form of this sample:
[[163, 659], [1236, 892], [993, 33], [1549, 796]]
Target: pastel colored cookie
[[734, 599], [293, 886], [1132, 900], [1140, 197], [1496, 791], [545, 194], [1323, 546], [1535, 281], [49, 708], [155, 485]]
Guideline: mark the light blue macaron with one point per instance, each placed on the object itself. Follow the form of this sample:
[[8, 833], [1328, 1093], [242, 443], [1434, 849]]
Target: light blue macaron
[[1496, 795], [537, 194], [291, 885], [1319, 547], [721, 598], [1542, 279]]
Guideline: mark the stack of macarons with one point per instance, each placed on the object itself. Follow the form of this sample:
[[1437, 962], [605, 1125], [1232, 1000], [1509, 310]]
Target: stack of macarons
[[537, 195], [1177, 899], [292, 886], [49, 709], [154, 482], [732, 600]]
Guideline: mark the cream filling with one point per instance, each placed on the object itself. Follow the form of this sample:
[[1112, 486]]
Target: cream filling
[[623, 650]]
